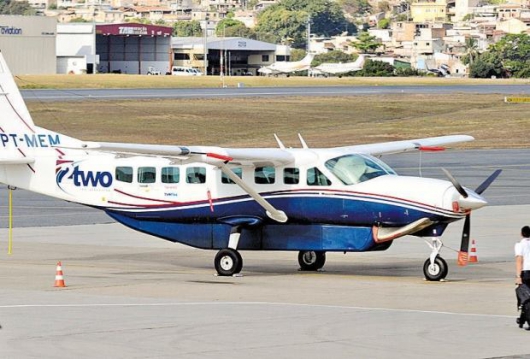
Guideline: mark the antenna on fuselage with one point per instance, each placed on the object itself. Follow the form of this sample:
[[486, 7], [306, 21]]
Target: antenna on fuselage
[[279, 142], [304, 145]]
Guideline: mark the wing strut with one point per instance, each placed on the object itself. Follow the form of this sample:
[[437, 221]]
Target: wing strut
[[275, 214]]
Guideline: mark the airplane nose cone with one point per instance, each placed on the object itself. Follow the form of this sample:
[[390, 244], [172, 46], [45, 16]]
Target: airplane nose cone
[[472, 202]]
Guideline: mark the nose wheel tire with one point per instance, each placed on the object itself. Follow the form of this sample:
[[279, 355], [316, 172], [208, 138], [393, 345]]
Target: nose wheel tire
[[437, 271], [228, 262], [311, 260]]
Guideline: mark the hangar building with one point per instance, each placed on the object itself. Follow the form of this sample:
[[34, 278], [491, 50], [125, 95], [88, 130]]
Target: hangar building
[[75, 48], [238, 55], [133, 48], [28, 43]]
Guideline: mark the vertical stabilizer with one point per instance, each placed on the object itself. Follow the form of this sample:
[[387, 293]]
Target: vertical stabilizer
[[15, 115]]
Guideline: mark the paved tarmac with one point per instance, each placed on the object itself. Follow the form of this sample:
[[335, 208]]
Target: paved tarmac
[[109, 94], [129, 295]]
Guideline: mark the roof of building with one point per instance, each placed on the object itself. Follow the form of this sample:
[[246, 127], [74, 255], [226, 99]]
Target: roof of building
[[220, 43]]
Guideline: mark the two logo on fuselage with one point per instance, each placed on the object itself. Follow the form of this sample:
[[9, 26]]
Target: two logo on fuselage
[[69, 172]]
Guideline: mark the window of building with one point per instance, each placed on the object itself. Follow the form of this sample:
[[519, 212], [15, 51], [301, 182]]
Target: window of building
[[281, 58], [265, 175], [170, 175], [264, 58], [315, 177], [225, 179], [291, 175], [146, 174], [181, 56], [195, 175], [124, 174]]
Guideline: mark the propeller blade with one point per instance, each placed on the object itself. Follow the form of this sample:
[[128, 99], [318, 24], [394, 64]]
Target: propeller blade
[[464, 246], [455, 183], [484, 185]]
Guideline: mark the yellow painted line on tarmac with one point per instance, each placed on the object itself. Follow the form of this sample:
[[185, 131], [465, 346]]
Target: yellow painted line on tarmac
[[520, 99]]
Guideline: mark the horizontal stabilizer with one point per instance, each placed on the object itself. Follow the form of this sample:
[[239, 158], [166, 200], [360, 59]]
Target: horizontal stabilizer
[[383, 234]]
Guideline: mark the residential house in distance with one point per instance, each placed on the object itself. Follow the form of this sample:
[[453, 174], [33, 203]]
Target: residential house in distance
[[423, 11]]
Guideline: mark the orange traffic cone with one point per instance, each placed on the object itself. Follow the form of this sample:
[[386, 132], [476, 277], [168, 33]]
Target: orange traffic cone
[[59, 279], [473, 253]]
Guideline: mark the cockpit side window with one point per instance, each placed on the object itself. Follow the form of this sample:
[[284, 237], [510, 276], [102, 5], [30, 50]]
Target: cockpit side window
[[353, 169]]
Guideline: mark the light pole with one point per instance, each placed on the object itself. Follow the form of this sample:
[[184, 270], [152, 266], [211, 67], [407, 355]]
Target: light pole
[[205, 46]]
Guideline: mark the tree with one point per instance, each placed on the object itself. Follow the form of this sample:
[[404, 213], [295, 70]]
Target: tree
[[366, 43], [280, 24], [230, 27], [356, 7], [508, 57], [13, 7], [383, 24], [376, 69], [187, 28], [486, 66], [297, 54], [471, 51], [384, 6], [288, 19], [335, 56], [139, 20]]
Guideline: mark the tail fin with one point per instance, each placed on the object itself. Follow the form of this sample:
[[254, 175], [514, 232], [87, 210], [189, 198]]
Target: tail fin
[[15, 115], [308, 59]]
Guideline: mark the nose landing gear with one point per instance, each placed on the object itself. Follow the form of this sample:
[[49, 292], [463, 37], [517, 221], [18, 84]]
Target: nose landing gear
[[435, 267]]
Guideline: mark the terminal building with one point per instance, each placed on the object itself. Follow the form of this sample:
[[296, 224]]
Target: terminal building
[[28, 43]]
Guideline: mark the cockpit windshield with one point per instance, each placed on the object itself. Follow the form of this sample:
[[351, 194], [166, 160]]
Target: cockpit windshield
[[353, 169]]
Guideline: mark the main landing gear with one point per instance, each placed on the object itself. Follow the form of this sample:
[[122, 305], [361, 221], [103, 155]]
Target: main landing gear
[[228, 261], [435, 267], [311, 260]]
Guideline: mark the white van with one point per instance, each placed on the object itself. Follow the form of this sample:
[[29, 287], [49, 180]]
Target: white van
[[185, 71]]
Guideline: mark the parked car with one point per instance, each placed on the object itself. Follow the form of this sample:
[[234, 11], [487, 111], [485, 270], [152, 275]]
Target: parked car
[[185, 71]]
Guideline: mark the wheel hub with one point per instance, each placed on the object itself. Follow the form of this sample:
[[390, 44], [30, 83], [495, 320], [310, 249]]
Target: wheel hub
[[226, 263]]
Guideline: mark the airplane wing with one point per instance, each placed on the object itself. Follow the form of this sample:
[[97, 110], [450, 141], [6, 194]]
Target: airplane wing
[[265, 156], [384, 148], [208, 154]]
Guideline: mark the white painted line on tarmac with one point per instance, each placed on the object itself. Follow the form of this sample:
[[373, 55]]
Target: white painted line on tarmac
[[320, 306]]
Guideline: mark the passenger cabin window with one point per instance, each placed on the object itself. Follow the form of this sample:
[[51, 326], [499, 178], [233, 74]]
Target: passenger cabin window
[[352, 169], [225, 179], [170, 175], [265, 175], [146, 174], [315, 177], [196, 175], [291, 175], [124, 174]]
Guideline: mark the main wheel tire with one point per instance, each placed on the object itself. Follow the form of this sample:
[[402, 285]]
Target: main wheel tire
[[311, 260], [437, 271], [228, 262]]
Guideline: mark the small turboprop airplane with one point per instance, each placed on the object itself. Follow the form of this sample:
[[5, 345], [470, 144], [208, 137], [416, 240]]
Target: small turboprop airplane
[[309, 200], [329, 68], [286, 67]]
